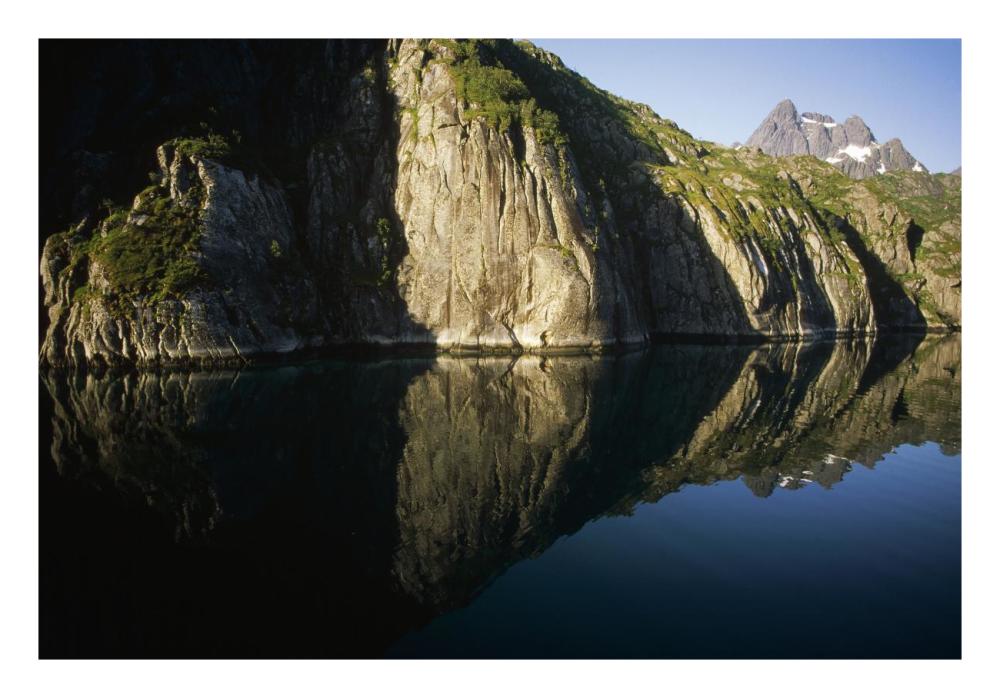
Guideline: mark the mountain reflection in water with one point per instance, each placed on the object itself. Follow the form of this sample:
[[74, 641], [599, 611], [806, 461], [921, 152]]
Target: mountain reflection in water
[[329, 509]]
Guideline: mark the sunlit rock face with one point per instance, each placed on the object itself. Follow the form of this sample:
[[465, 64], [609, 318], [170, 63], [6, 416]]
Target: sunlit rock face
[[499, 252], [420, 480], [378, 203]]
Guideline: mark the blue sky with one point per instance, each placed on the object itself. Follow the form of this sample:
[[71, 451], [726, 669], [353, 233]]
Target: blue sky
[[721, 89]]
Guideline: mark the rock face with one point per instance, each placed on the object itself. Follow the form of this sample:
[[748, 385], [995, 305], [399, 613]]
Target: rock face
[[935, 271], [473, 196], [849, 146], [252, 304], [498, 245]]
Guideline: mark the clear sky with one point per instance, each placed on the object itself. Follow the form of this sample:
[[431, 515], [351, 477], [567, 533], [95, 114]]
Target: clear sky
[[721, 89]]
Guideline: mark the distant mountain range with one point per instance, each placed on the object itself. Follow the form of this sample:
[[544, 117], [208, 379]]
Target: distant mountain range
[[850, 145]]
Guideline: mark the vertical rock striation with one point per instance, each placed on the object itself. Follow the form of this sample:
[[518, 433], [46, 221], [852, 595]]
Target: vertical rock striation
[[479, 196]]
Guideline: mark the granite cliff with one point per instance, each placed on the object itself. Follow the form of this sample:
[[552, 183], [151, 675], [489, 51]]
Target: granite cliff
[[469, 195]]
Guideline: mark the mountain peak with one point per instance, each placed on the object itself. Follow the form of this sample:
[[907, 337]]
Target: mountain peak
[[784, 111], [849, 146]]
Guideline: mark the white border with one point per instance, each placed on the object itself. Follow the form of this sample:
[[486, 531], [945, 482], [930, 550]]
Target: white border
[[23, 674]]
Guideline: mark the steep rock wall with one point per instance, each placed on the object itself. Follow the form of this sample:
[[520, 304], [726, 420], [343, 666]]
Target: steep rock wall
[[419, 219], [246, 302]]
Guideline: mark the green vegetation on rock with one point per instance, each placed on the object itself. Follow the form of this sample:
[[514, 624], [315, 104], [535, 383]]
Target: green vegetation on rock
[[931, 200], [483, 152], [636, 158], [387, 244], [496, 94], [935, 204], [210, 147], [148, 254]]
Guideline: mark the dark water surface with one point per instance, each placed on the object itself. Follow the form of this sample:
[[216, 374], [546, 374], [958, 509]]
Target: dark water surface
[[795, 500]]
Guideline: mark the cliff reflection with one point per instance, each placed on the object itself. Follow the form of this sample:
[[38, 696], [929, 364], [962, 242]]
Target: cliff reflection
[[378, 495]]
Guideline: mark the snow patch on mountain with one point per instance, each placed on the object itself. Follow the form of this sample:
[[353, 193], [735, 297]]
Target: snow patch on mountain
[[828, 124], [857, 152], [850, 146]]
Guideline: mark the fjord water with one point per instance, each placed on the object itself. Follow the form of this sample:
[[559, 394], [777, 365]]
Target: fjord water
[[788, 500]]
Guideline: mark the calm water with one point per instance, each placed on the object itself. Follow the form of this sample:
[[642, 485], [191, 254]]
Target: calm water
[[684, 501]]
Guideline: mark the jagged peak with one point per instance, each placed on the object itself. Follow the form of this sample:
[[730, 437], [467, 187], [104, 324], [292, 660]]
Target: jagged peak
[[849, 145], [785, 110]]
